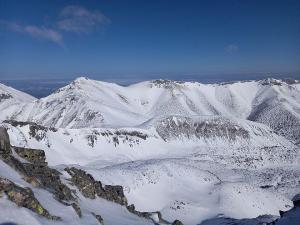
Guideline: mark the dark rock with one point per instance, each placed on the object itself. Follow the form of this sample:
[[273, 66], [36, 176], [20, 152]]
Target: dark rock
[[13, 162], [99, 218], [38, 171], [36, 131], [76, 208], [281, 213], [177, 222], [131, 208], [147, 215], [35, 156], [4, 96], [85, 182], [24, 197], [296, 200], [4, 141], [114, 193], [50, 179], [89, 187]]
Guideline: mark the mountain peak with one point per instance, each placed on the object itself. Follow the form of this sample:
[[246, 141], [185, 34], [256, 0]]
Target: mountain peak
[[81, 79]]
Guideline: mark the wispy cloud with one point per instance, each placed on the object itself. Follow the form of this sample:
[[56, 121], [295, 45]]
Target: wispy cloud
[[11, 25], [74, 18], [44, 33], [231, 48], [35, 31]]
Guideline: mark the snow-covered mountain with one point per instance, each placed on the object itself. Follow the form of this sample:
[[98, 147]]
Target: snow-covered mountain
[[190, 151], [89, 103]]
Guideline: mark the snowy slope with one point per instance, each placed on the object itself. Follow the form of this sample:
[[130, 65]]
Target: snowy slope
[[191, 151], [10, 212], [167, 176], [13, 102], [237, 142]]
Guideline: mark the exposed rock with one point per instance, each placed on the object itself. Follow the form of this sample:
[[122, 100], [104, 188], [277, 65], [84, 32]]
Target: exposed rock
[[177, 222], [147, 215], [168, 84], [89, 187], [24, 197], [34, 127], [77, 209], [36, 171], [180, 126], [36, 131], [50, 179], [35, 156], [114, 193], [4, 96], [296, 200], [85, 182], [99, 218], [4, 141]]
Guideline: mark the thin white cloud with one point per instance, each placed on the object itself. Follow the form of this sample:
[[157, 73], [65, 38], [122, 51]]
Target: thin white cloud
[[44, 33], [11, 25], [231, 48], [72, 18], [75, 18], [35, 31]]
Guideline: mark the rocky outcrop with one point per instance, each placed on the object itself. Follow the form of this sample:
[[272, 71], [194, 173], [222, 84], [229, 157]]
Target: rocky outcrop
[[173, 127], [147, 215], [4, 142], [84, 182], [24, 197], [98, 218], [177, 222], [34, 156], [38, 168], [296, 200], [31, 163], [90, 188], [114, 193], [35, 170], [77, 209]]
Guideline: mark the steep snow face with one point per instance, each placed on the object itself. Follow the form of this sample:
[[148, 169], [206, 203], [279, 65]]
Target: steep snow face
[[88, 103], [13, 102], [279, 108]]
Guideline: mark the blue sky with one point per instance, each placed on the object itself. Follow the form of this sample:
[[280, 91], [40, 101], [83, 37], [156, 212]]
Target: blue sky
[[158, 38]]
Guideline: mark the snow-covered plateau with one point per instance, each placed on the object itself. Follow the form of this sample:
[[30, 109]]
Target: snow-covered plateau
[[178, 151]]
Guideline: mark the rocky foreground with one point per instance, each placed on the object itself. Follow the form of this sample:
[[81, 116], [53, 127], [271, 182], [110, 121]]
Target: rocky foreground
[[32, 166]]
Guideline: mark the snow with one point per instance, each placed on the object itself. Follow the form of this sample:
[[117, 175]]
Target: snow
[[189, 150]]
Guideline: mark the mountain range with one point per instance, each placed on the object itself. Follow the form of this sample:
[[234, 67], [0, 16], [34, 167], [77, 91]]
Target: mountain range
[[198, 153]]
